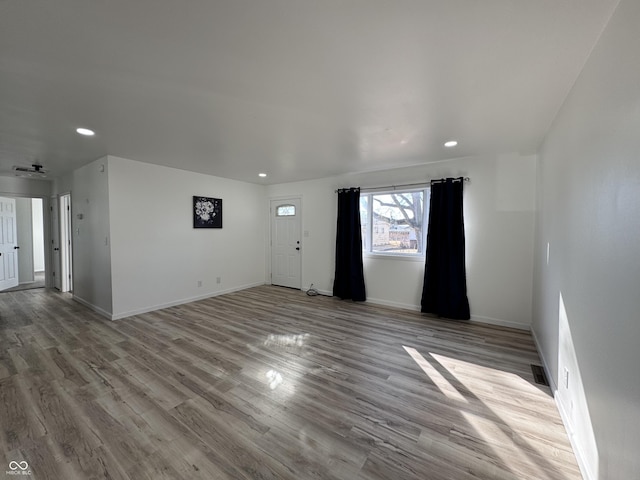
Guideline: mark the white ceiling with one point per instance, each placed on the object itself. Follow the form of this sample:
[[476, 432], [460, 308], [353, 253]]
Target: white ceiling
[[298, 89]]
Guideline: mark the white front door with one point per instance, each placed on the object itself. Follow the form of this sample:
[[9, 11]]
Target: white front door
[[286, 249], [8, 244]]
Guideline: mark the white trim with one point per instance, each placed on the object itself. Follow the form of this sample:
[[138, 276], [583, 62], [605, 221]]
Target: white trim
[[93, 307], [46, 227], [139, 311], [370, 253], [389, 303], [575, 445], [474, 318], [499, 322], [410, 257]]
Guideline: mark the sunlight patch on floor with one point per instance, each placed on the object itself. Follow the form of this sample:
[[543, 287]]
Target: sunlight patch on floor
[[274, 378], [503, 445], [436, 377], [290, 340]]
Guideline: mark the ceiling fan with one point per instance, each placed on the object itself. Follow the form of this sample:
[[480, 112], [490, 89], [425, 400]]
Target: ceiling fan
[[35, 170]]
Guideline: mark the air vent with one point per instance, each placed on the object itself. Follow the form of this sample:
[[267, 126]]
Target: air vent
[[538, 375]]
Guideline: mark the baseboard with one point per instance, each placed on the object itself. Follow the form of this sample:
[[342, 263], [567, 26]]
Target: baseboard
[[91, 306], [474, 318], [389, 303], [182, 301], [577, 450], [499, 322]]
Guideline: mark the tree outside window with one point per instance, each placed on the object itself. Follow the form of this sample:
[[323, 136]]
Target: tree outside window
[[394, 223]]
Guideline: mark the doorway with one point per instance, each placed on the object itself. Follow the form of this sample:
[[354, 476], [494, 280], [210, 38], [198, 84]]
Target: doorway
[[286, 249], [61, 243], [66, 258], [22, 243]]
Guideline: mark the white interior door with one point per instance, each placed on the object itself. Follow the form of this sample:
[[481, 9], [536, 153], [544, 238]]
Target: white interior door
[[8, 244], [66, 279], [24, 232], [286, 249], [55, 244]]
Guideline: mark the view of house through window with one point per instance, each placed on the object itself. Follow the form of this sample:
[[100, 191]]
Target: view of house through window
[[394, 223]]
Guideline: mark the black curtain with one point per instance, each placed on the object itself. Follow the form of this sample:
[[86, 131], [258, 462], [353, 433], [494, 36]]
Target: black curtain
[[349, 277], [444, 292]]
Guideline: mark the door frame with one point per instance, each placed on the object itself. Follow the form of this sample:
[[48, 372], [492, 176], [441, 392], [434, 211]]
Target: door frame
[[66, 242], [46, 226], [54, 245], [284, 198]]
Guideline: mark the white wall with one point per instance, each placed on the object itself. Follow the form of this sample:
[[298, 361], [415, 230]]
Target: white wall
[[24, 228], [62, 184], [38, 234], [587, 302], [499, 205], [91, 238], [24, 187], [158, 257]]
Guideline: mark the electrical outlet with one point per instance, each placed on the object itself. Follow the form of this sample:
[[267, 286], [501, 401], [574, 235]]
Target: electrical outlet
[[218, 279], [199, 283], [566, 378]]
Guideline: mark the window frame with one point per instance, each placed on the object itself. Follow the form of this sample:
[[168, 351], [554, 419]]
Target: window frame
[[370, 253], [286, 205]]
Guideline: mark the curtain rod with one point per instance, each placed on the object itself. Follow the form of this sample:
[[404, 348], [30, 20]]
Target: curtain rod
[[396, 187]]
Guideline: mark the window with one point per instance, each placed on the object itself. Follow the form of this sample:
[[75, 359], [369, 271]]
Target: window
[[286, 211], [394, 223]]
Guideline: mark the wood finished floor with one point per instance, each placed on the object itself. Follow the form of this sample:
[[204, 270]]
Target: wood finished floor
[[269, 383]]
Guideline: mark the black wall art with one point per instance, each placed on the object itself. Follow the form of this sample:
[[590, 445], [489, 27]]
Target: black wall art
[[207, 212]]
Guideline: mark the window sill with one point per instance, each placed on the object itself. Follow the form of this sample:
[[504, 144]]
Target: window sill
[[390, 256]]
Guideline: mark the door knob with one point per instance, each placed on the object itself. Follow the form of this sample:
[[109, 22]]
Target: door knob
[[16, 247], [56, 249]]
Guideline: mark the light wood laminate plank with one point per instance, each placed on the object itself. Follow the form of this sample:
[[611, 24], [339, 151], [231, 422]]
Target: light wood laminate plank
[[270, 383]]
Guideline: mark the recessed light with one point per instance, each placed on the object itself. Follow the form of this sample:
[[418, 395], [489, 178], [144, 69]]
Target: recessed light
[[262, 175], [451, 143], [86, 132]]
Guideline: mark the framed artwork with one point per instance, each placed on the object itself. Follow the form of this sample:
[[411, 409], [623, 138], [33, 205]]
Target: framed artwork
[[207, 212]]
